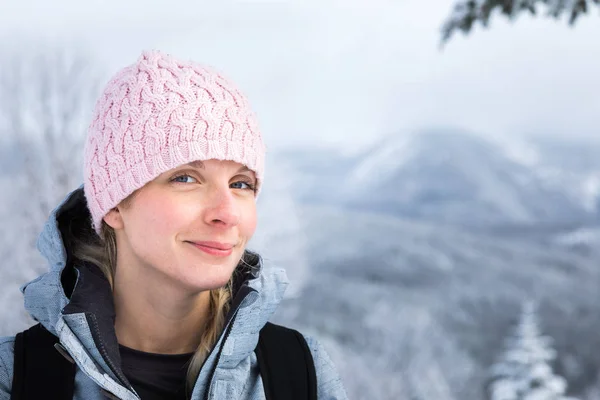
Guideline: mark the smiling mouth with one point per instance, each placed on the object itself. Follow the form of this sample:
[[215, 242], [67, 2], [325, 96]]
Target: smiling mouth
[[214, 248]]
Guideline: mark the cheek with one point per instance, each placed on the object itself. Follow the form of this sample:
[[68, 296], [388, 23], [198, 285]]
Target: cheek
[[248, 222], [157, 217]]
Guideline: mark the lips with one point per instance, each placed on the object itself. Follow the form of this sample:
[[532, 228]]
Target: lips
[[218, 249]]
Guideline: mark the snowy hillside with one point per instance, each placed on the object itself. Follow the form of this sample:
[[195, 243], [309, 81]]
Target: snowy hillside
[[570, 164], [413, 298], [421, 250], [453, 177]]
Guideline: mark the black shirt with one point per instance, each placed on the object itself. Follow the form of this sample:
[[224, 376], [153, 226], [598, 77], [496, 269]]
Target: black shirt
[[155, 376]]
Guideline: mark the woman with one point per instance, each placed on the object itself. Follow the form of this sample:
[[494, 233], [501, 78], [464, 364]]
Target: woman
[[151, 291]]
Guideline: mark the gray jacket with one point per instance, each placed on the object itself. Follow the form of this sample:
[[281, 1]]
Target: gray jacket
[[86, 328]]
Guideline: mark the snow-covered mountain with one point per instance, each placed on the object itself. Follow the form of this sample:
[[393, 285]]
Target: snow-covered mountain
[[422, 247], [454, 177]]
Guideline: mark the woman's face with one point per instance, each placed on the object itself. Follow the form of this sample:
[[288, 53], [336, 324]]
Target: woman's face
[[190, 225]]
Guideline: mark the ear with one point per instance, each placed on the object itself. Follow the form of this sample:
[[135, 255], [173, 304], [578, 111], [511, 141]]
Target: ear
[[114, 219]]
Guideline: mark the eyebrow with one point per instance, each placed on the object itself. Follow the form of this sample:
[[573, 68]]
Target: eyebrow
[[200, 165], [196, 164]]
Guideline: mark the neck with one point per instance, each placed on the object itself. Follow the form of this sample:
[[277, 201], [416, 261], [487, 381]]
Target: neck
[[157, 316]]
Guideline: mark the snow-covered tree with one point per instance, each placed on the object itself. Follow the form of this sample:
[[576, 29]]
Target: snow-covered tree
[[524, 371], [468, 12], [47, 93]]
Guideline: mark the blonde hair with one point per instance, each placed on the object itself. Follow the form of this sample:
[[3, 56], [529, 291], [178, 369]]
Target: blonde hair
[[101, 251]]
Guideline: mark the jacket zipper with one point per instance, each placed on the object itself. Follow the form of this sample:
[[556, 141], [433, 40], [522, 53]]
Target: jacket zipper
[[214, 368], [104, 354]]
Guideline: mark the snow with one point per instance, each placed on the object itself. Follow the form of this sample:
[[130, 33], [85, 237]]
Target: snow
[[581, 236], [518, 150], [591, 192], [524, 371], [386, 159]]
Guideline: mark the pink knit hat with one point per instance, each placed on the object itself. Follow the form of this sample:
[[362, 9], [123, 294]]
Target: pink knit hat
[[158, 114]]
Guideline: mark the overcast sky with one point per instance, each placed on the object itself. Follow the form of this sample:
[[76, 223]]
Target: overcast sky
[[347, 72]]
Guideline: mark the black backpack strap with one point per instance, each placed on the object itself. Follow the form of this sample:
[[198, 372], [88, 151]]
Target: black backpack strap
[[39, 369], [286, 364]]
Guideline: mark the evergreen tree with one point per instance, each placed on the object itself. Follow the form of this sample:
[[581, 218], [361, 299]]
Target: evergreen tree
[[467, 12], [524, 371]]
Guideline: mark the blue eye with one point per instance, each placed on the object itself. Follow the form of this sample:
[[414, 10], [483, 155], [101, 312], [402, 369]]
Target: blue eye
[[242, 185], [183, 179]]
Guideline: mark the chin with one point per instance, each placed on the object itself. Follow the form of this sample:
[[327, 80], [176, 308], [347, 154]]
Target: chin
[[218, 282], [209, 278]]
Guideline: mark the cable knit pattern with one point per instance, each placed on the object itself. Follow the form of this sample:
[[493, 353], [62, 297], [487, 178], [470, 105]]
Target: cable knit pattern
[[158, 114]]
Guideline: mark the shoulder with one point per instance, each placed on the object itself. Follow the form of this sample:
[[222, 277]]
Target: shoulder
[[7, 346], [329, 383]]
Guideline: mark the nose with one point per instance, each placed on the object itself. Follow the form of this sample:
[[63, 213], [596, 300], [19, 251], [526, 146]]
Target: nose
[[222, 209]]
